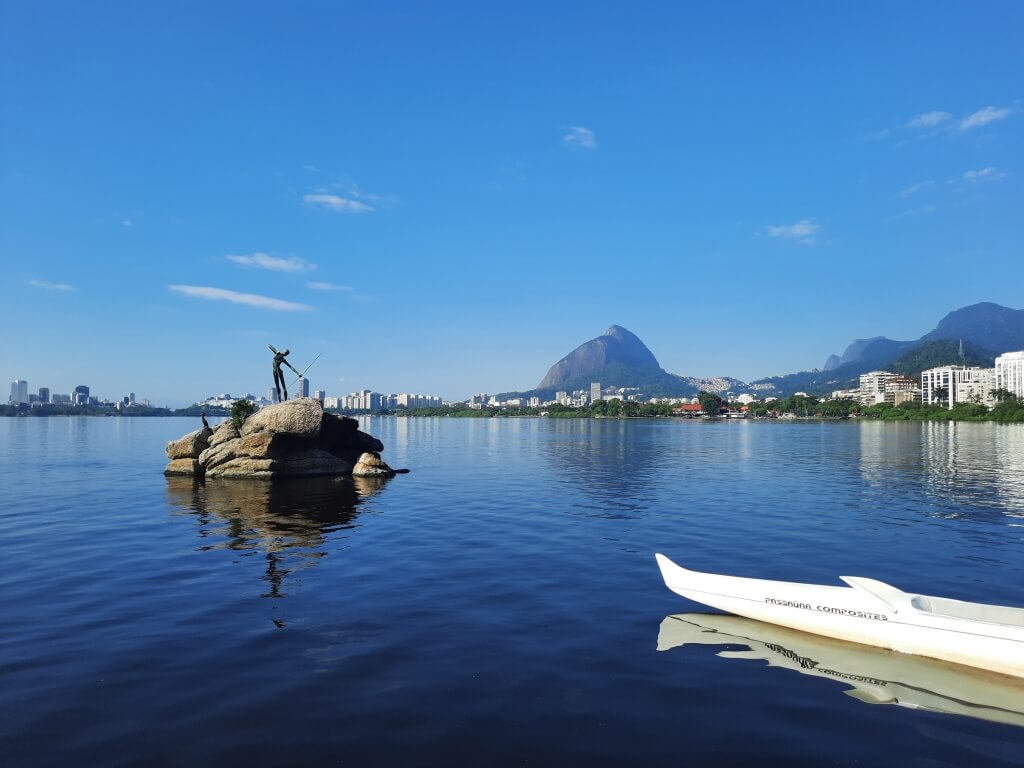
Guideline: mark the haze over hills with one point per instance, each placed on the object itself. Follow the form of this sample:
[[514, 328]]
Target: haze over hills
[[619, 358]]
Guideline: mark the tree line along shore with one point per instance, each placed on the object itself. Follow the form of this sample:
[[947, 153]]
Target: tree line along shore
[[1009, 409]]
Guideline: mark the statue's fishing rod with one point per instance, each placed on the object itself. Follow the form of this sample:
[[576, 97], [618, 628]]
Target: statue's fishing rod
[[306, 369]]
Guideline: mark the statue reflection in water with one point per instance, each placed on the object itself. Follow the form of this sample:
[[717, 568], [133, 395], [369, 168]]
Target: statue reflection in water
[[289, 520]]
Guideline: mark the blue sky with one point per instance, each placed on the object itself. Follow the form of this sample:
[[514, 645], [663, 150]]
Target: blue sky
[[446, 198]]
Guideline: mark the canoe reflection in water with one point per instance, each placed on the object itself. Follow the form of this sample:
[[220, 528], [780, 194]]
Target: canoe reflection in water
[[288, 520], [877, 676]]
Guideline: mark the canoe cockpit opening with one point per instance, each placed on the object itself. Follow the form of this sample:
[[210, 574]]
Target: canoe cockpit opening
[[957, 609]]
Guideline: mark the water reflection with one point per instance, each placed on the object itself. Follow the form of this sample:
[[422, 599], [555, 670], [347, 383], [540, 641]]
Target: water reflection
[[877, 676], [288, 520], [610, 461], [965, 467]]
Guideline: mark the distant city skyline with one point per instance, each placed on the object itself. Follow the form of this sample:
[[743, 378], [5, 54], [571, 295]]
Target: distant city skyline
[[451, 200]]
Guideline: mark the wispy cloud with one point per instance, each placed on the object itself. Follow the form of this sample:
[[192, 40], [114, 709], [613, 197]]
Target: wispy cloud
[[328, 287], [354, 191], [250, 299], [802, 232], [913, 212], [273, 263], [579, 137], [336, 203], [929, 120], [938, 122], [916, 188], [51, 286], [984, 117], [880, 135], [983, 174]]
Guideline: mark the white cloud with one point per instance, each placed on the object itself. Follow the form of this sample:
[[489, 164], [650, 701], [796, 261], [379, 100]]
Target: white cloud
[[880, 135], [913, 212], [579, 137], [803, 231], [273, 263], [51, 286], [983, 174], [250, 299], [328, 287], [929, 120], [126, 223], [916, 188], [984, 117], [335, 203]]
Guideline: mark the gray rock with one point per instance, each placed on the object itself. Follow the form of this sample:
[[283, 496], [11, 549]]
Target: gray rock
[[301, 416], [291, 439], [371, 465], [183, 467], [189, 446], [223, 433]]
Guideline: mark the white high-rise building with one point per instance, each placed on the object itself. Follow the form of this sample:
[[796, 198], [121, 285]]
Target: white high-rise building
[[19, 392], [979, 388], [952, 384], [872, 387], [1010, 372], [595, 391]]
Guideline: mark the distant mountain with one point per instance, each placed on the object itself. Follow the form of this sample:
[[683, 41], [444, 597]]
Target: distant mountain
[[617, 347], [932, 354], [919, 357], [615, 358], [618, 358], [986, 325]]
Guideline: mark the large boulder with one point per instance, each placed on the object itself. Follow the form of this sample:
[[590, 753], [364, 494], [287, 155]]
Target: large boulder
[[249, 447], [370, 464], [300, 416], [224, 432], [342, 437], [291, 439], [189, 446]]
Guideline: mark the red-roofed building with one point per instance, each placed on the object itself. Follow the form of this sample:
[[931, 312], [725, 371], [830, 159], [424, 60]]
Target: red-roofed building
[[687, 409]]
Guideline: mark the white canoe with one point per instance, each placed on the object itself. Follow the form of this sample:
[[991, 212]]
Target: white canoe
[[870, 612], [875, 675]]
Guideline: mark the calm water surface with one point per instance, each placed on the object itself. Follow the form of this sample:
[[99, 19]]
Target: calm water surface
[[500, 604]]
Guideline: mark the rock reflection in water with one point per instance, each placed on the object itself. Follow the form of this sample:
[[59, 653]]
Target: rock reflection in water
[[288, 520], [876, 675]]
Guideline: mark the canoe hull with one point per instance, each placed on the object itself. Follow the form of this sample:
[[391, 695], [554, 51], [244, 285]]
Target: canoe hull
[[847, 613]]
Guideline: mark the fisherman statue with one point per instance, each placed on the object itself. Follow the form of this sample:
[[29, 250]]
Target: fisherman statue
[[279, 385]]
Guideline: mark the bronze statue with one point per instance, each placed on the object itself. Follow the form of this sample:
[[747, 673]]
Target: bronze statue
[[279, 385]]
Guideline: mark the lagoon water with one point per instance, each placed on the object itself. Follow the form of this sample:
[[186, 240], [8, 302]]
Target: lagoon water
[[499, 605]]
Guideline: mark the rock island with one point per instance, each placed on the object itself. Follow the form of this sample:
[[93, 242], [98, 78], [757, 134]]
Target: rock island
[[290, 439]]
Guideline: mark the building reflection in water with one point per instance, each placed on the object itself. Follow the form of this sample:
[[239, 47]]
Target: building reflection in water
[[983, 462], [968, 469], [288, 520]]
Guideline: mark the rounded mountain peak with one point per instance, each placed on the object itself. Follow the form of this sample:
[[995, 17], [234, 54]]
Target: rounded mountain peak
[[617, 346]]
